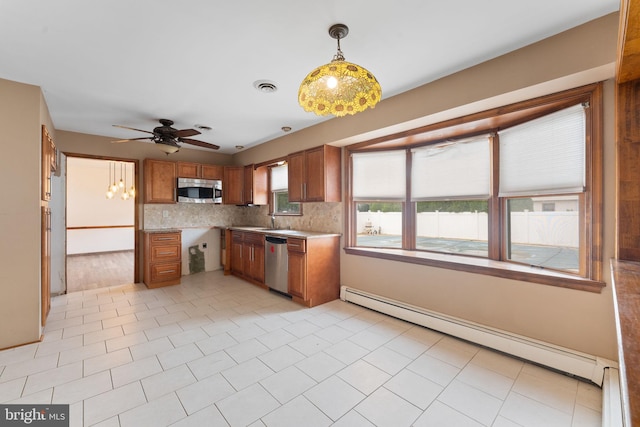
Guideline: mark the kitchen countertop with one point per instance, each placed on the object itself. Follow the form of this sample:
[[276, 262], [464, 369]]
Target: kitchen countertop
[[626, 287], [299, 234], [162, 230]]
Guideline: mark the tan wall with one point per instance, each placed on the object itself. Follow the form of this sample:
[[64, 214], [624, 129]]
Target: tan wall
[[20, 214], [575, 319]]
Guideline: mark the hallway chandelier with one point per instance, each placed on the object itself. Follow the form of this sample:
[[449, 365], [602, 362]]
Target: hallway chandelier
[[339, 87], [121, 186]]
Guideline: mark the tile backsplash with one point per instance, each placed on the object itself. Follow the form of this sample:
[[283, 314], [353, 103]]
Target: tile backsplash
[[321, 217]]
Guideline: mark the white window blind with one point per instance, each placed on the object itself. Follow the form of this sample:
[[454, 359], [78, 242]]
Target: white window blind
[[545, 155], [279, 178], [452, 170], [379, 175]]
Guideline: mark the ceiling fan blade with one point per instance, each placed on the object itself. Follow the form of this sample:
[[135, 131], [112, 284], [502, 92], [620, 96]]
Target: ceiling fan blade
[[127, 127], [185, 132], [199, 143], [131, 139]]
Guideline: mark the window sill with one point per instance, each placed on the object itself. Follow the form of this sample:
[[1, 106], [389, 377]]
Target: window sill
[[482, 266]]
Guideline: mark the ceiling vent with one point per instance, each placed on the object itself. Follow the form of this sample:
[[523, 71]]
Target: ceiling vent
[[265, 86]]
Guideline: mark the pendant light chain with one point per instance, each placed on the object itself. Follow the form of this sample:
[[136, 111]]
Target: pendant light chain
[[113, 188]]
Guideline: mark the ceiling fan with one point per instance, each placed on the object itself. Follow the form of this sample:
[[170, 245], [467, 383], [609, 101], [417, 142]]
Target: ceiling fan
[[168, 137]]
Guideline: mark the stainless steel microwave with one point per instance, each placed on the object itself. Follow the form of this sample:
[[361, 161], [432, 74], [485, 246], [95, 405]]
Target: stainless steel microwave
[[193, 190]]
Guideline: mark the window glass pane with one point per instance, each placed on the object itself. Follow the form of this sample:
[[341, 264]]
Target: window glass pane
[[455, 226], [281, 204], [379, 176], [379, 224], [279, 177], [545, 155], [542, 237], [451, 170]]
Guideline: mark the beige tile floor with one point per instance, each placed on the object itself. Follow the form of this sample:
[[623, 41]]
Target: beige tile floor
[[216, 351]]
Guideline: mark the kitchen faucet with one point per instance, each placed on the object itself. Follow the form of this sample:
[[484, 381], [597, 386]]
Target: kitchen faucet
[[273, 221]]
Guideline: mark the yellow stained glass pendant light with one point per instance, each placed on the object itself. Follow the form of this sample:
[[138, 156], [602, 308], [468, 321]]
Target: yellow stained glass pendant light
[[339, 87]]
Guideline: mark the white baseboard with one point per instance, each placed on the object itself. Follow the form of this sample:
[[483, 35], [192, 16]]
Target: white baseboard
[[576, 363], [612, 409]]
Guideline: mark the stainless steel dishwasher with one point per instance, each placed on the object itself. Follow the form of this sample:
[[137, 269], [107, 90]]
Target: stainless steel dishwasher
[[276, 263]]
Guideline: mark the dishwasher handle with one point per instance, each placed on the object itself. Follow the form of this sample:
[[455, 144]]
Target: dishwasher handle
[[276, 240]]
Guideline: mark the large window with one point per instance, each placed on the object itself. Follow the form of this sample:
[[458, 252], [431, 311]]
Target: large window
[[379, 188], [540, 159], [521, 195], [280, 203]]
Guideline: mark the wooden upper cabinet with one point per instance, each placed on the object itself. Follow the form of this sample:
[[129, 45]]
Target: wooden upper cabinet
[[198, 170], [212, 172], [49, 163], [188, 170], [315, 175], [233, 185], [159, 181], [255, 185], [295, 163]]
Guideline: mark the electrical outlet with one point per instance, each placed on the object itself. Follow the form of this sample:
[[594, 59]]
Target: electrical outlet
[[204, 246], [165, 214]]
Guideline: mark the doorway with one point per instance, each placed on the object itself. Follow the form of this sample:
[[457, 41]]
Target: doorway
[[101, 222]]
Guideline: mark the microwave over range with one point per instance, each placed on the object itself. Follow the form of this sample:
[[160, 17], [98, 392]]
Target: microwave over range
[[193, 190]]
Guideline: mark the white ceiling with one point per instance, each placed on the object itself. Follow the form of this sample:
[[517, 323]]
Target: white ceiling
[[131, 62]]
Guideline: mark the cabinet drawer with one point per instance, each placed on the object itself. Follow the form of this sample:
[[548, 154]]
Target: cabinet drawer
[[165, 252], [164, 237], [296, 245], [254, 238], [166, 271]]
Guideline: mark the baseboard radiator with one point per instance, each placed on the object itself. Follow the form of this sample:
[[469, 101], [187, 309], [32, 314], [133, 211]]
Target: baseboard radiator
[[579, 364]]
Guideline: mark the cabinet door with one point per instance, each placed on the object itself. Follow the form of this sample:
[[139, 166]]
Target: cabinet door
[[212, 172], [257, 262], [45, 185], [297, 274], [188, 170], [255, 185], [296, 177], [45, 272], [232, 185], [237, 263], [247, 194], [314, 175], [159, 181]]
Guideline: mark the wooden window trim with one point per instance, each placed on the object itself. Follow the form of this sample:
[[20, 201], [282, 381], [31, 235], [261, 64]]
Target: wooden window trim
[[270, 164], [491, 121]]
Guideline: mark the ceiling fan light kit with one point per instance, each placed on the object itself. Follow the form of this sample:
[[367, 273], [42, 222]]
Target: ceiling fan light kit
[[167, 138], [339, 87]]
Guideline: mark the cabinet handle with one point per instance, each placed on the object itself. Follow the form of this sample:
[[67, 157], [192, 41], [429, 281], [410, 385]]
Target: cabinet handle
[[165, 253], [166, 271], [165, 238]]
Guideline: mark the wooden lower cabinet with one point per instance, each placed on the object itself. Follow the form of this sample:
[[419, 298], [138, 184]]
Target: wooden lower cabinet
[[297, 274], [45, 272], [313, 272], [247, 256], [314, 269], [162, 258]]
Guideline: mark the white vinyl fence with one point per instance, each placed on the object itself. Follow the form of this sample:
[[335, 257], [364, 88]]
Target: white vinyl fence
[[537, 228]]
